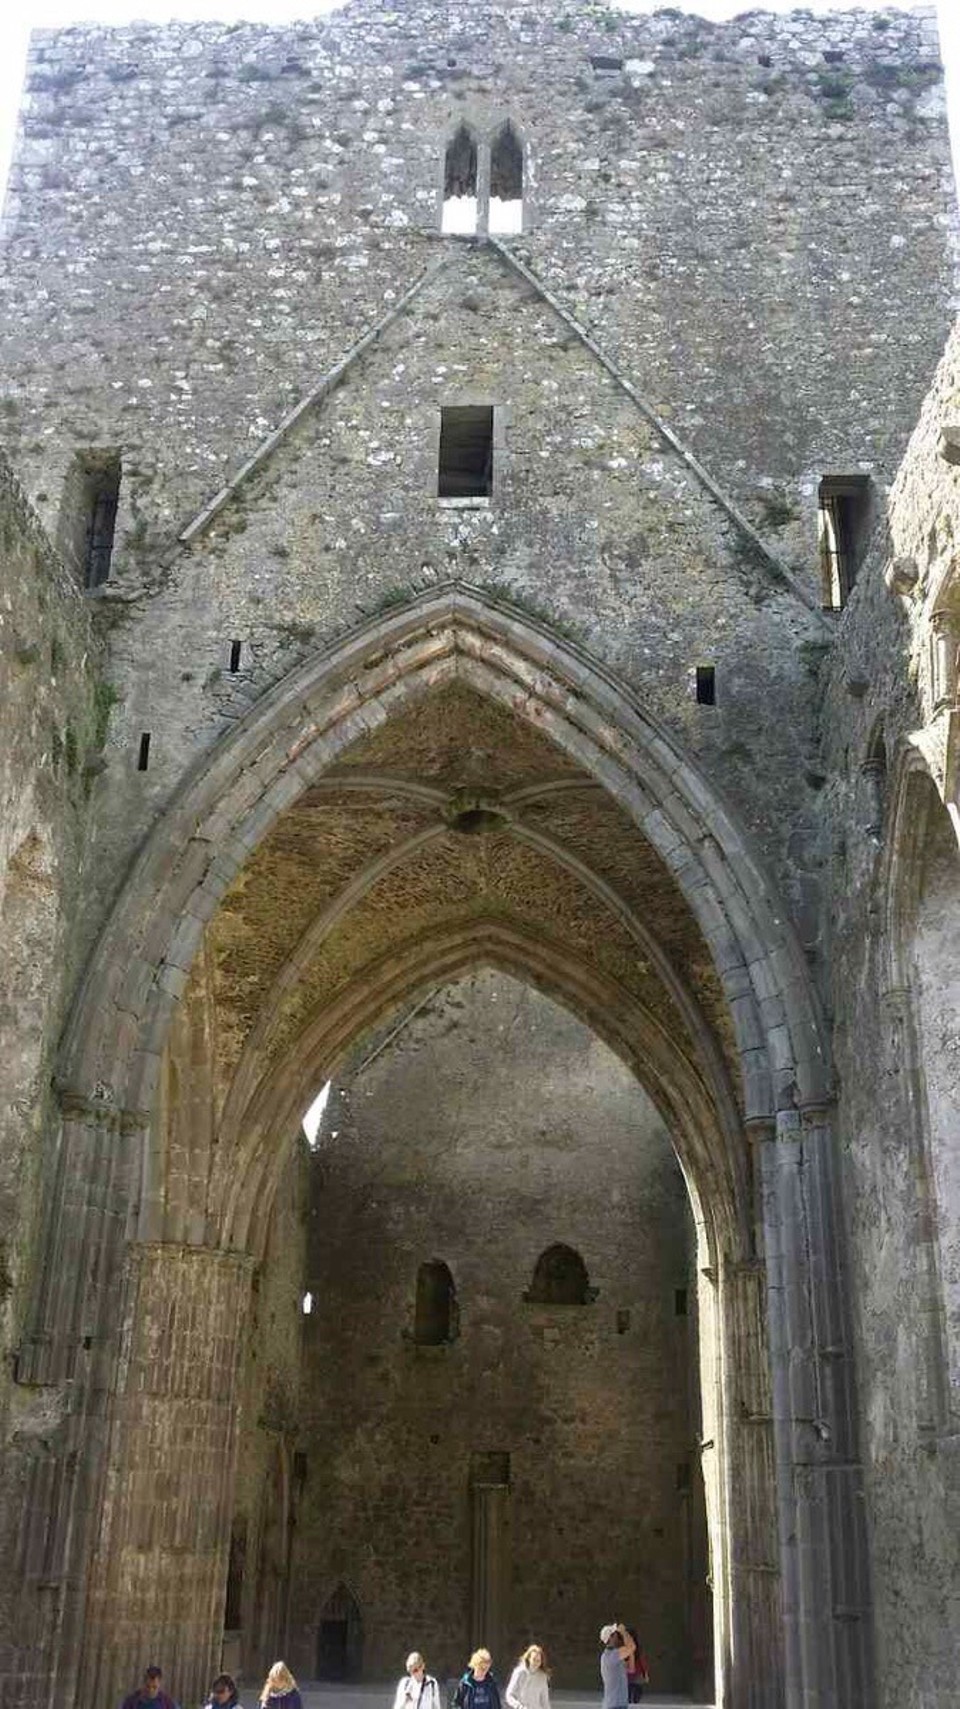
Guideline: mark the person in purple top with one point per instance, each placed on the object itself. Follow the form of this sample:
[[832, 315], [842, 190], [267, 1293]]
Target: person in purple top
[[280, 1689], [149, 1693]]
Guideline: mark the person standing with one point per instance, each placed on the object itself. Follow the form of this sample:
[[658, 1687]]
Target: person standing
[[149, 1693], [529, 1686], [280, 1689], [417, 1689], [223, 1693], [478, 1689], [618, 1647]]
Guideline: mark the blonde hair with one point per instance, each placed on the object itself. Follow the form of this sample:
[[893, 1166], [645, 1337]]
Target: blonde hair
[[278, 1681], [414, 1659], [525, 1658], [480, 1656]]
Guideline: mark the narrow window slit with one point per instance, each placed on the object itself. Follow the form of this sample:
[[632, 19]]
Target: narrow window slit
[[845, 518], [706, 685], [143, 755], [466, 451], [506, 183], [236, 648], [460, 186], [679, 1302], [607, 63]]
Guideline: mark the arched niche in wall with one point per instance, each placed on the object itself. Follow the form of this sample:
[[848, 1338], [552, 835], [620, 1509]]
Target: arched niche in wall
[[436, 1319], [340, 1637], [560, 1278]]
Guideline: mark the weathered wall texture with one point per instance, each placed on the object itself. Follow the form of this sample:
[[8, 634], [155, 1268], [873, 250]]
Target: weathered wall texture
[[492, 1127], [745, 232], [891, 727], [263, 198], [51, 712]]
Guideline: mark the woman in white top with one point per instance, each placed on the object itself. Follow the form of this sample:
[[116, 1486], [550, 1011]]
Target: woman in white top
[[529, 1686], [417, 1689]]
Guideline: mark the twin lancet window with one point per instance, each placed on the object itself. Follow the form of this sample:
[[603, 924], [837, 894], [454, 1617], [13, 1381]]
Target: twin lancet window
[[483, 184]]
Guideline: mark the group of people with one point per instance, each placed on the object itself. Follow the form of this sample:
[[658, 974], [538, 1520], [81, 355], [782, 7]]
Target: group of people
[[623, 1673], [279, 1691]]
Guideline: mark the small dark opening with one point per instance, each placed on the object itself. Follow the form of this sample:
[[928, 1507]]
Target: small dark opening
[[466, 451], [845, 522], [765, 60], [143, 753], [679, 1302], [706, 685], [460, 167], [233, 1612], [236, 648], [506, 166], [606, 61], [103, 497], [623, 1321], [683, 1477], [560, 1278], [435, 1315], [474, 821], [332, 1648], [489, 1470], [833, 55]]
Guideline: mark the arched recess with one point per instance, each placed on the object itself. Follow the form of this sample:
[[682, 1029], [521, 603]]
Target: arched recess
[[784, 1638], [923, 920], [560, 1278]]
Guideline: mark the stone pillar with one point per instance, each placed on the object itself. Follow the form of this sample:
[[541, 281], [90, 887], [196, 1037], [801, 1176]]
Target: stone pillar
[[822, 1520], [754, 1667], [490, 1550], [158, 1578], [64, 1371]]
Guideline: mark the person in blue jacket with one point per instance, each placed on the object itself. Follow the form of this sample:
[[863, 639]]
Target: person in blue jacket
[[478, 1689]]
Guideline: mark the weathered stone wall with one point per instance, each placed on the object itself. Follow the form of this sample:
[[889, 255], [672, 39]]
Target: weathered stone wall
[[51, 713], [890, 722], [267, 1489], [490, 1127], [263, 197]]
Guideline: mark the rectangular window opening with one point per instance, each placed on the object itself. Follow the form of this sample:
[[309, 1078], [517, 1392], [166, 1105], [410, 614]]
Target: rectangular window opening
[[88, 515], [679, 1302], [236, 648], [845, 523], [683, 1477], [606, 63], [143, 753], [466, 451], [706, 685]]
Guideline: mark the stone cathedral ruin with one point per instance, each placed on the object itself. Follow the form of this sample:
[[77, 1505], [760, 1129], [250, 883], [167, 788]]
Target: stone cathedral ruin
[[480, 522]]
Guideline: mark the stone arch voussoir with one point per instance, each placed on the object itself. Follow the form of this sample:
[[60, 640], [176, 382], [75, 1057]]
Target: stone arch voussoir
[[118, 1028]]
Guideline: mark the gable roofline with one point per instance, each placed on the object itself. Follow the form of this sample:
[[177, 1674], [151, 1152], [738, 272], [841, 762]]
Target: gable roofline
[[776, 567], [778, 571], [327, 384]]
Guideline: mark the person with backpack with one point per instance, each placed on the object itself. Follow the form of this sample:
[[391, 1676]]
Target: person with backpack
[[417, 1689]]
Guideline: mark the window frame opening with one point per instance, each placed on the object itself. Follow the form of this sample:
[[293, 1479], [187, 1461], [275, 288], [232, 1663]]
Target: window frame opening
[[465, 455], [88, 515], [844, 526], [505, 203], [560, 1278], [436, 1314], [460, 210]]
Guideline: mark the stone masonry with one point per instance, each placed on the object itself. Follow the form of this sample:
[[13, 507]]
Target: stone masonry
[[402, 628]]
